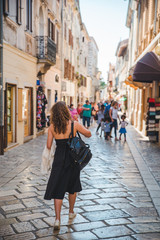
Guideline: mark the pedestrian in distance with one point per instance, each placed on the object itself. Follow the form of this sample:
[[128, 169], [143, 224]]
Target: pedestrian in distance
[[102, 126], [107, 128], [65, 176], [100, 116], [73, 112], [87, 114], [113, 113], [123, 125]]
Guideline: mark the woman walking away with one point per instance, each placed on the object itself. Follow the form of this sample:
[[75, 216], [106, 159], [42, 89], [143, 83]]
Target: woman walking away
[[65, 176], [113, 113], [100, 116], [122, 130]]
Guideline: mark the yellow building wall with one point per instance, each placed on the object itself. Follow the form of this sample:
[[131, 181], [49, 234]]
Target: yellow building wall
[[19, 68]]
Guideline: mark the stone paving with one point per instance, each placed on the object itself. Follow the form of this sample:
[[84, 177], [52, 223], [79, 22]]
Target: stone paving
[[115, 202]]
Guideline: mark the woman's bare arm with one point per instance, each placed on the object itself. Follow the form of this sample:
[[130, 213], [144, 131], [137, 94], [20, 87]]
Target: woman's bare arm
[[49, 138], [82, 130]]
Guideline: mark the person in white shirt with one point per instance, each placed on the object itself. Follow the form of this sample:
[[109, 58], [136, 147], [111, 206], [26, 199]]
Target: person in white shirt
[[113, 113], [122, 130]]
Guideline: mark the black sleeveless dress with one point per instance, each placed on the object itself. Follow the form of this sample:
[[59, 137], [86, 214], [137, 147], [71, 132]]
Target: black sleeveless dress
[[65, 176]]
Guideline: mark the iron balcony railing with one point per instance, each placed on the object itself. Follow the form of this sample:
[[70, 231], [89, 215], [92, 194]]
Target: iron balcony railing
[[46, 49]]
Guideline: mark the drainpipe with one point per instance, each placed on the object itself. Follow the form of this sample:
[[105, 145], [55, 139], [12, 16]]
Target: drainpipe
[[155, 17], [1, 81]]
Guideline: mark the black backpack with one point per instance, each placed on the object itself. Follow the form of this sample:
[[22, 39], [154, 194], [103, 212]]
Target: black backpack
[[79, 150]]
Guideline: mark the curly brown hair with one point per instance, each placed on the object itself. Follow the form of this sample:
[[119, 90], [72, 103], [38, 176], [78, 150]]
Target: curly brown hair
[[60, 116]]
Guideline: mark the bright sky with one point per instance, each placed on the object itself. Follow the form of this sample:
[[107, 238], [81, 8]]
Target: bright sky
[[105, 20]]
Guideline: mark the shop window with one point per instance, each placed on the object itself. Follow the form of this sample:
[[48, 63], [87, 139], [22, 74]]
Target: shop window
[[29, 15], [41, 104]]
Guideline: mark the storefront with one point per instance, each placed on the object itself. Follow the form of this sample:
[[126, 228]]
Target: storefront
[[10, 114], [19, 96]]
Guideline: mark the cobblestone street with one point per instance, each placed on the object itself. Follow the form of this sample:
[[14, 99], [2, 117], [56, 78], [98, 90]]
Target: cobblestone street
[[120, 198]]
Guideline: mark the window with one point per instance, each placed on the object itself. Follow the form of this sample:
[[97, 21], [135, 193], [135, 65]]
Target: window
[[48, 27], [85, 61], [82, 39], [12, 8], [65, 3], [6, 7], [57, 78], [19, 17], [57, 47], [51, 30], [29, 15]]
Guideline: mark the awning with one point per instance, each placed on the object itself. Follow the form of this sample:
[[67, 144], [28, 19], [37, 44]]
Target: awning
[[147, 69], [129, 81]]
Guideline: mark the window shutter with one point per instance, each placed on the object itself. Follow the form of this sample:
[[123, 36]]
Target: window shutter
[[48, 27], [6, 7], [72, 73], [57, 47], [53, 32], [19, 11]]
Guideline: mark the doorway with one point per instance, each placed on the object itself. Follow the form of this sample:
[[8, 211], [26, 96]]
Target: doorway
[[10, 114], [27, 111]]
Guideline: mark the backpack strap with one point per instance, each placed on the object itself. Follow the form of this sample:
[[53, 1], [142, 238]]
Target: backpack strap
[[72, 129]]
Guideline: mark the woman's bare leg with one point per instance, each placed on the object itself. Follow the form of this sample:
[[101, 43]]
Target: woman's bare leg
[[72, 199], [57, 206]]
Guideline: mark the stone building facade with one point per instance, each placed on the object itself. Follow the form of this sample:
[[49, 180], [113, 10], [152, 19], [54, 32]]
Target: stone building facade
[[143, 21], [45, 58]]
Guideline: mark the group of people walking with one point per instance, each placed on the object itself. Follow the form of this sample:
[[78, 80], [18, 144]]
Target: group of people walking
[[108, 119], [106, 116]]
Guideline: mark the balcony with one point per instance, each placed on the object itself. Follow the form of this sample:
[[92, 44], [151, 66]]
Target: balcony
[[45, 50]]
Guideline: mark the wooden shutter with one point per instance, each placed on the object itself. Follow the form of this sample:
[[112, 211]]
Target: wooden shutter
[[48, 27], [53, 32], [72, 73], [19, 11], [65, 68], [57, 47], [6, 7]]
